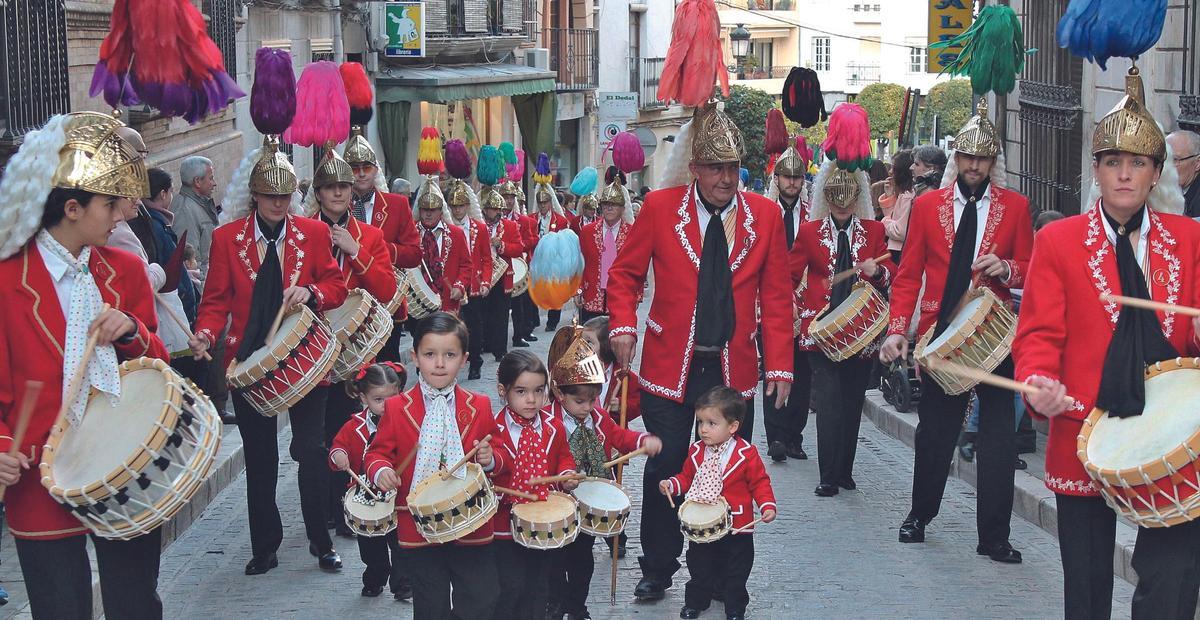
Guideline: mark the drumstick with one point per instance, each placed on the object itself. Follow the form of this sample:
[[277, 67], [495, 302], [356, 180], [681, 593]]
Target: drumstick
[[671, 500], [616, 548], [180, 322], [446, 473], [622, 459], [279, 315], [747, 526], [362, 483], [981, 376], [1150, 304], [33, 389], [515, 493], [843, 275], [556, 479]]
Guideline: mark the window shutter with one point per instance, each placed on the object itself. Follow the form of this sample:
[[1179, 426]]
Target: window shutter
[[475, 15], [514, 16], [435, 17]]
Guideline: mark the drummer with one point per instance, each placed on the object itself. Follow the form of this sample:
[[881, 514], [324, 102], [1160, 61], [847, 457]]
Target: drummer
[[52, 250], [972, 232], [466, 215], [840, 236], [505, 238], [1071, 344], [576, 378], [445, 258], [600, 242]]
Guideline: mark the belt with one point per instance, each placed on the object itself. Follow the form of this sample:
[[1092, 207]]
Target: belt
[[707, 352]]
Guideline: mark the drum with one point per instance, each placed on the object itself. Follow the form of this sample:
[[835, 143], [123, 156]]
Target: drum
[[368, 517], [1145, 466], [979, 336], [422, 299], [397, 300], [499, 268], [603, 507], [851, 327], [549, 524], [283, 371], [705, 523], [520, 277], [446, 510], [362, 326], [128, 468]]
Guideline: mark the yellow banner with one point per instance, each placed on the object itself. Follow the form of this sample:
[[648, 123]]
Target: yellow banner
[[947, 19]]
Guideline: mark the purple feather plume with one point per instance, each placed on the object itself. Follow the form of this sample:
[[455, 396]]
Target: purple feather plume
[[273, 97], [458, 160], [543, 165]]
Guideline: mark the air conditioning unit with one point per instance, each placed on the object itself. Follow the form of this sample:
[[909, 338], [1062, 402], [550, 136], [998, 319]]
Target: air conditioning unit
[[538, 58]]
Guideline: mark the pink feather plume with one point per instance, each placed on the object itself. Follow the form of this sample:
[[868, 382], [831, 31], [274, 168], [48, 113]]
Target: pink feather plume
[[322, 110], [628, 154], [849, 137]]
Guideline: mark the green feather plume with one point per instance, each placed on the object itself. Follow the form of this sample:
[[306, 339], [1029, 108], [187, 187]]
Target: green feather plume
[[993, 51], [508, 153]]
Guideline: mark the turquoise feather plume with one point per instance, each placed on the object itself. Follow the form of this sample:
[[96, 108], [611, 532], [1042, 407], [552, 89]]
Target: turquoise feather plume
[[585, 181], [489, 169]]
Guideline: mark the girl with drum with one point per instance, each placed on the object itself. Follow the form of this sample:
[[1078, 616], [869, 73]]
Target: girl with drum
[[1089, 359]]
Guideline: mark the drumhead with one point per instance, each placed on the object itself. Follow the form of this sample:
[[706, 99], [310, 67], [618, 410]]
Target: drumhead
[[554, 508], [340, 316], [956, 324], [856, 296], [520, 269], [109, 435], [286, 326], [1167, 421], [441, 490], [600, 495], [696, 512], [371, 510]]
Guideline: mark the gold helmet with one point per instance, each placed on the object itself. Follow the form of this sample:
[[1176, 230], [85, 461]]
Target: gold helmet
[[489, 198], [842, 188], [333, 170], [429, 195], [613, 193], [95, 158], [790, 164], [588, 201], [508, 188], [273, 173], [358, 149], [458, 193], [715, 137], [1129, 127], [544, 193], [979, 136], [572, 359]]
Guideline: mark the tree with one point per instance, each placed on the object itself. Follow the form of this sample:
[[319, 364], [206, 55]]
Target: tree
[[748, 108], [882, 103], [951, 102]]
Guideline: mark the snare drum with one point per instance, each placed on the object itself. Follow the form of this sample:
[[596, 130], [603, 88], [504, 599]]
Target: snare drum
[[286, 369], [422, 299], [520, 271], [362, 326], [368, 517], [126, 469], [705, 523], [397, 300], [1145, 466], [980, 336], [446, 510], [548, 524], [499, 268], [855, 324], [603, 507]]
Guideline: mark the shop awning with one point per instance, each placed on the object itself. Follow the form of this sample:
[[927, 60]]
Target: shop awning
[[455, 83]]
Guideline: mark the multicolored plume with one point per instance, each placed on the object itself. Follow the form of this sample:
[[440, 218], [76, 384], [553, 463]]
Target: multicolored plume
[[541, 170], [628, 154], [555, 270], [489, 169], [802, 99], [322, 111], [508, 153], [695, 58], [776, 137], [358, 92], [993, 51], [585, 181], [429, 152], [849, 137], [273, 96], [458, 160], [1100, 29], [158, 52]]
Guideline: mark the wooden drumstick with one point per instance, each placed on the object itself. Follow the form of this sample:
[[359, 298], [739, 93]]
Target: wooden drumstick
[[412, 454], [447, 473], [556, 479], [279, 315], [843, 275], [515, 493], [988, 378], [33, 389], [1150, 304], [622, 459], [362, 483], [612, 592], [671, 500], [179, 321], [747, 526]]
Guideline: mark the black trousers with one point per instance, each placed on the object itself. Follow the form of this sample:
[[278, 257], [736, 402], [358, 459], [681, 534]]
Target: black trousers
[[524, 579], [572, 574], [215, 385], [339, 406], [524, 316], [939, 420], [468, 570], [382, 555], [552, 319], [261, 448], [58, 577], [787, 423], [495, 310], [194, 370], [720, 568], [391, 349], [675, 425], [472, 316], [839, 389], [587, 315], [534, 316]]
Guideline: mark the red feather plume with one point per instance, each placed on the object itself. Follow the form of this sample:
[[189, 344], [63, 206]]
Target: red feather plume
[[776, 139], [358, 86], [695, 58]]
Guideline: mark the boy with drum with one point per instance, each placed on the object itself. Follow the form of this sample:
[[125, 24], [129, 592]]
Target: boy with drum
[[445, 259]]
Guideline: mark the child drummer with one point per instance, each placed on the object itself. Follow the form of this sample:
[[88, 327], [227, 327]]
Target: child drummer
[[373, 385], [576, 378], [440, 422], [722, 464]]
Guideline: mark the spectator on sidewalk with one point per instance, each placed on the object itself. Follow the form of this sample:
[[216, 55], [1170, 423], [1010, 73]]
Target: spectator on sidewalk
[[896, 203]]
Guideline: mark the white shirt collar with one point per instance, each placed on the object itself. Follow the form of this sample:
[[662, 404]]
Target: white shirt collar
[[961, 200], [1144, 233], [439, 228], [572, 423], [702, 213], [55, 265], [258, 233]]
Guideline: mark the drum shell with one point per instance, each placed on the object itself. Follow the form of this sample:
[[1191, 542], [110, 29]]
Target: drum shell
[[705, 531], [450, 519], [292, 368], [422, 299], [983, 343], [554, 534], [394, 304], [600, 522], [361, 338], [520, 277], [859, 322]]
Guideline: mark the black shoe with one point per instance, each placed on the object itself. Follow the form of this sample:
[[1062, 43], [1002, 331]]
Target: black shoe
[[372, 591], [497, 357], [258, 566], [1021, 464], [403, 592], [529, 337], [849, 484], [795, 451], [777, 451], [912, 531], [967, 451], [229, 419], [474, 373], [520, 344], [327, 560], [1000, 552], [689, 613], [649, 590], [580, 615], [735, 617], [826, 490]]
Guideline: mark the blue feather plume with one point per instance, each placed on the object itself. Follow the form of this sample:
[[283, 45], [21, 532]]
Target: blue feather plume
[[745, 175], [1101, 29], [585, 181], [559, 259]]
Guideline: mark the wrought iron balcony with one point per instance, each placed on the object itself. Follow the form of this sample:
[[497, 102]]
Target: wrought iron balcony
[[764, 73], [33, 59], [761, 5], [575, 57], [862, 74], [644, 74]]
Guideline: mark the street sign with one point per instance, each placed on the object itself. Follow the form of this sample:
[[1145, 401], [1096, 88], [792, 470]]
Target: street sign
[[614, 111], [404, 23], [947, 19]]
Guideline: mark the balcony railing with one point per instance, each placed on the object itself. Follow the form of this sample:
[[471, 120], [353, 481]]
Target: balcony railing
[[575, 57], [644, 74], [33, 65], [861, 74], [765, 73], [762, 5]]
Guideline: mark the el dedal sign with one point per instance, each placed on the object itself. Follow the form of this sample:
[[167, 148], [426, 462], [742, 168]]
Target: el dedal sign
[[947, 19], [404, 23]]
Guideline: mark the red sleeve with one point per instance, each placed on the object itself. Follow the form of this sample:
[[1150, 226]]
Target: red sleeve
[[406, 248], [501, 447], [463, 264], [215, 303], [682, 481], [760, 483], [481, 426], [1042, 330], [374, 266], [887, 269], [1018, 265], [622, 440], [775, 301], [385, 449], [328, 282], [341, 442], [907, 285], [138, 304], [627, 275], [510, 233], [531, 235]]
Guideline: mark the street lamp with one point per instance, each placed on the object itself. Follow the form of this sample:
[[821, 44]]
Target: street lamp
[[739, 40]]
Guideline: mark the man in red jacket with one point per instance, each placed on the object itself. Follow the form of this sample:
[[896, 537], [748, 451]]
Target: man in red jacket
[[445, 259], [504, 238], [524, 313], [467, 217], [720, 252], [973, 229], [600, 242]]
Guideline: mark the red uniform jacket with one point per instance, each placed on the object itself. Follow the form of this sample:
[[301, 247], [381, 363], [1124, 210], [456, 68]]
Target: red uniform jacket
[[558, 461], [745, 480], [456, 267], [481, 256], [815, 252], [233, 265], [513, 247], [1007, 233], [31, 349], [591, 242], [529, 235], [353, 440], [393, 215], [1064, 329], [633, 396], [399, 434], [557, 223], [666, 232], [372, 268], [614, 438]]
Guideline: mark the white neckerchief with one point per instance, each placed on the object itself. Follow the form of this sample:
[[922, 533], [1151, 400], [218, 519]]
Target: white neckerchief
[[85, 305], [440, 443], [1143, 235], [981, 208]]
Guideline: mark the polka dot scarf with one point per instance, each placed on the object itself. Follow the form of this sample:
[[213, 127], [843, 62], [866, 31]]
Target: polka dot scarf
[[706, 486], [531, 458], [440, 444]]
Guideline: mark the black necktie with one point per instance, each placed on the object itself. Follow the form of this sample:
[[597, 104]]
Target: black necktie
[[1138, 338], [714, 294], [962, 255], [267, 295], [845, 262], [344, 222], [789, 223], [358, 206]]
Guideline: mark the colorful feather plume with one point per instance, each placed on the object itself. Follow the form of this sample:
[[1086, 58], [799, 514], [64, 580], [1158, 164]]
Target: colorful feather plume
[[555, 270], [273, 96], [695, 58], [802, 99], [458, 160], [775, 138], [585, 181], [158, 52], [358, 92], [516, 170], [628, 154], [803, 150], [508, 153], [429, 152], [541, 170], [1100, 29], [993, 51], [849, 137], [322, 111], [489, 169]]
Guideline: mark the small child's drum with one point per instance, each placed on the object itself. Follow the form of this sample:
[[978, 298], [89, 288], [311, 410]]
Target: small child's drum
[[548, 524], [362, 325], [705, 523], [366, 516], [979, 336], [851, 327], [603, 507], [279, 374], [446, 510]]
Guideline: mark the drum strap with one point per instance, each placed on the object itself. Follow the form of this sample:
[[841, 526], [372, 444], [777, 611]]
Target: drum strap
[[962, 255]]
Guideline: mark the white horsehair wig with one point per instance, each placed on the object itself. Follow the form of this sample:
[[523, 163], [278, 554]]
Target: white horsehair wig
[[820, 206], [27, 182], [677, 172], [237, 193], [1165, 197]]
